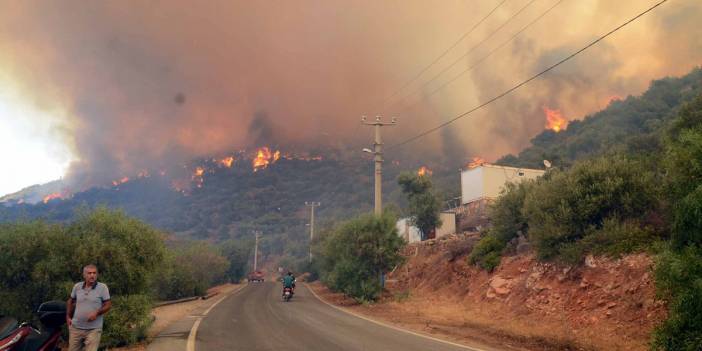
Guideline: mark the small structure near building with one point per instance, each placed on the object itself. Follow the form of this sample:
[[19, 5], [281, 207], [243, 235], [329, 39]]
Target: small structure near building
[[412, 234], [480, 186]]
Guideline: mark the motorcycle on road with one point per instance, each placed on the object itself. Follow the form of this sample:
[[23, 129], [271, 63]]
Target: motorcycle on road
[[287, 294]]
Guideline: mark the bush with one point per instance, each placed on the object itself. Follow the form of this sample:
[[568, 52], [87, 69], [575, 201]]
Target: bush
[[126, 250], [487, 252], [687, 222], [353, 255], [237, 252], [36, 265], [190, 271], [679, 281], [600, 201], [128, 320], [40, 262], [508, 221]]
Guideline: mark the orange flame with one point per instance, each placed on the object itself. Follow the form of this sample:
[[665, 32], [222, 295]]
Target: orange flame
[[52, 196], [120, 181], [424, 171], [612, 99], [262, 159], [227, 161], [199, 171], [476, 161], [555, 120]]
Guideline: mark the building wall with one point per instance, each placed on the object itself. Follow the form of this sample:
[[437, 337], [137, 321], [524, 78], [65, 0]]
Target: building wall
[[408, 232], [487, 181], [412, 233], [472, 185], [448, 224]]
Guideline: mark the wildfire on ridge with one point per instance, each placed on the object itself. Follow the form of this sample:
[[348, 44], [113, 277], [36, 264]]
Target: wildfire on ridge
[[555, 120], [264, 157], [424, 171], [612, 99], [197, 176], [120, 181], [227, 161], [476, 161], [52, 196]]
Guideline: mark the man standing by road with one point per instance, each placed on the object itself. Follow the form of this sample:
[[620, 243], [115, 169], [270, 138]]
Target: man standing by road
[[89, 301]]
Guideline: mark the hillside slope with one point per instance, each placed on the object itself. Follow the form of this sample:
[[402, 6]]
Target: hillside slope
[[630, 123]]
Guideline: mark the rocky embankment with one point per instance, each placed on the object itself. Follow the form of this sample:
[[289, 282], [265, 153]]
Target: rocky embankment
[[605, 304]]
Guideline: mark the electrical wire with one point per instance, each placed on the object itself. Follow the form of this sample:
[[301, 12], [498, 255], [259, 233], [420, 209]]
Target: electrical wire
[[438, 58], [466, 53], [510, 90], [481, 60]]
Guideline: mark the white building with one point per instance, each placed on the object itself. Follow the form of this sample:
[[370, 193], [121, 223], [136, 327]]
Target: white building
[[486, 181], [412, 233], [480, 186]]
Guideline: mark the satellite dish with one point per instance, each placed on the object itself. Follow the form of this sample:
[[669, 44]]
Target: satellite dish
[[547, 163]]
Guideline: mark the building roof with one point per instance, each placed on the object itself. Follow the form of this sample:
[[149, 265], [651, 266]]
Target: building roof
[[488, 165]]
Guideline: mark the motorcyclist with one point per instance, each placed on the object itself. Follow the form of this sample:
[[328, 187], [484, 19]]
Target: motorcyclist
[[289, 282]]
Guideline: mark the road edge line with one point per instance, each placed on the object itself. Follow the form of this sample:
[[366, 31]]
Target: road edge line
[[190, 345], [471, 348]]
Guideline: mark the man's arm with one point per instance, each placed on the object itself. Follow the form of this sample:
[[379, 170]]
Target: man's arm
[[105, 307], [70, 308]]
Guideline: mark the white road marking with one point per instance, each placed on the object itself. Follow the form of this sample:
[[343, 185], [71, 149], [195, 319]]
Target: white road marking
[[390, 326], [190, 345]]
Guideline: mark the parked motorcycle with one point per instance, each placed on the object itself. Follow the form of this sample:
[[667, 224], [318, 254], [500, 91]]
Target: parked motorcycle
[[287, 294], [15, 336]]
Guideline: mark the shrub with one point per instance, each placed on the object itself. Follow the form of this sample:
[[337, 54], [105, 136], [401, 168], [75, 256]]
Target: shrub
[[35, 266], [126, 250], [487, 252], [589, 202], [679, 280], [190, 271], [687, 222], [353, 255], [128, 320]]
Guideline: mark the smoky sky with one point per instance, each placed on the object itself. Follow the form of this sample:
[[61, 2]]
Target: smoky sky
[[145, 84]]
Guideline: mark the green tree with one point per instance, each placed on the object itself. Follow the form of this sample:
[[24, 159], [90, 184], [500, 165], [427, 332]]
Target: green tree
[[237, 252], [424, 205], [679, 266], [353, 255]]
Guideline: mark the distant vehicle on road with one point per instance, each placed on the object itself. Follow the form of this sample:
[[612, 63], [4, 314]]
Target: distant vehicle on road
[[256, 276]]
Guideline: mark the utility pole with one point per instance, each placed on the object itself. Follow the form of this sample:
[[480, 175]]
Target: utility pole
[[378, 152], [257, 233], [311, 205]]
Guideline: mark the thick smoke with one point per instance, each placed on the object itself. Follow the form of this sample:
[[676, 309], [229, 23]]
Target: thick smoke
[[146, 84]]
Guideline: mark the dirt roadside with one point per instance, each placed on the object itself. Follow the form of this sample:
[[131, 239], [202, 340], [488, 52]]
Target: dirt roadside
[[607, 304], [166, 315]]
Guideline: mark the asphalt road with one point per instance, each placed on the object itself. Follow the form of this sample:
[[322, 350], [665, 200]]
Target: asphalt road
[[256, 318]]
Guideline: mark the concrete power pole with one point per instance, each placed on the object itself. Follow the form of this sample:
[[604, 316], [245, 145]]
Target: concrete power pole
[[311, 205], [256, 251], [378, 152]]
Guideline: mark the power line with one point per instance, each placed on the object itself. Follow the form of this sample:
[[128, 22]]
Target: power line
[[467, 52], [481, 60], [437, 59], [419, 74], [508, 91]]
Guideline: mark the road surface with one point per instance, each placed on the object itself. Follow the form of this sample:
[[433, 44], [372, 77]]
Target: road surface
[[257, 319]]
